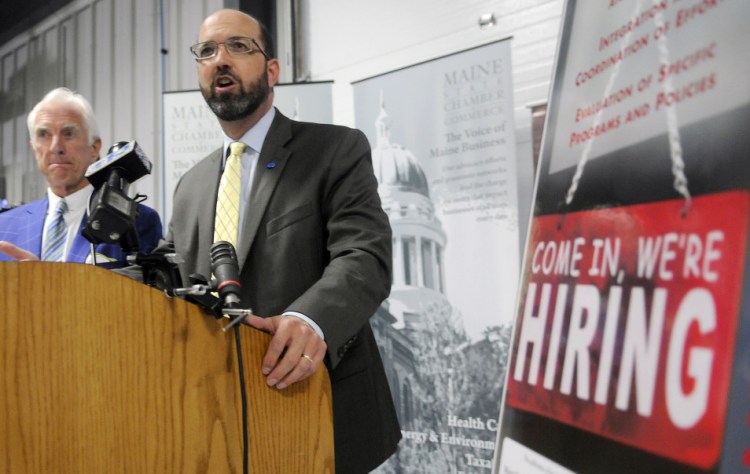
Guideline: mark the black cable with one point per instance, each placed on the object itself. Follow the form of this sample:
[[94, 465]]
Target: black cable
[[243, 394]]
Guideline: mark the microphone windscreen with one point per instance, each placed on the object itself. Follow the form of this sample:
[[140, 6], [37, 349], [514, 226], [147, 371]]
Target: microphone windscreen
[[226, 269], [128, 158]]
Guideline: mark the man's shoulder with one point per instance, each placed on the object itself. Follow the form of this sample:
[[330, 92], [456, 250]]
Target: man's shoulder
[[147, 211], [23, 210], [22, 223], [324, 135], [281, 124], [204, 164], [322, 127]]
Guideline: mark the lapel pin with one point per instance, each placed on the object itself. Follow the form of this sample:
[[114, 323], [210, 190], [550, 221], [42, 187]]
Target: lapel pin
[[271, 165]]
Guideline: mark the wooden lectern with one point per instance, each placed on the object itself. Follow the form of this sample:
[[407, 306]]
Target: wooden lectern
[[100, 373]]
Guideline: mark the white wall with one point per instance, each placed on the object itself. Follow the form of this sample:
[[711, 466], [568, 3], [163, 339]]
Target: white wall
[[349, 40]]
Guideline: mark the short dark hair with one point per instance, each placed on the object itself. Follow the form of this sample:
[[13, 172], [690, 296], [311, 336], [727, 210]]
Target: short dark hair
[[267, 41]]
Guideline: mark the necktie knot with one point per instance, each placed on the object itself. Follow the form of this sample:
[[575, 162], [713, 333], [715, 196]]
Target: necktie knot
[[62, 207], [236, 149]]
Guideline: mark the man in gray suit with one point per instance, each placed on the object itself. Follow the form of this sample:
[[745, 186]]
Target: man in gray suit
[[314, 245]]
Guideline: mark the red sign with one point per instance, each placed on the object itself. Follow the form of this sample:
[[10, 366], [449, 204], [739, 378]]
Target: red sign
[[627, 322]]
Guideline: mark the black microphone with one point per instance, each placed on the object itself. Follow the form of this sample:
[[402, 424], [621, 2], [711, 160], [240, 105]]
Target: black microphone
[[124, 161], [225, 268], [112, 213]]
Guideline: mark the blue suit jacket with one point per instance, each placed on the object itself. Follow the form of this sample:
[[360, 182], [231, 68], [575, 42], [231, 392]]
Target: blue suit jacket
[[23, 226]]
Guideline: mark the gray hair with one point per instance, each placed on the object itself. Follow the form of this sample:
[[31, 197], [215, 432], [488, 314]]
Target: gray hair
[[66, 96]]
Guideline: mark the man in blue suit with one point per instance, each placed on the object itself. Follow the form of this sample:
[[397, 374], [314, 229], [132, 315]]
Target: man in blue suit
[[65, 139]]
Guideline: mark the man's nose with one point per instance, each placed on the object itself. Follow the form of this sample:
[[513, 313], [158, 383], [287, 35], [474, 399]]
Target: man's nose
[[57, 146], [222, 54]]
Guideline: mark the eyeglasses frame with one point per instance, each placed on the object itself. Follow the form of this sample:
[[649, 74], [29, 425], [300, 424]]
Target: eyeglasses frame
[[254, 50]]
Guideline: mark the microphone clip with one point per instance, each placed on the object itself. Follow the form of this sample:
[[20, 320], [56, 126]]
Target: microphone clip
[[203, 292], [237, 316]]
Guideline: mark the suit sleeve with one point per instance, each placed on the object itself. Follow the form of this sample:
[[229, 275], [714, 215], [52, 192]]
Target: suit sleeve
[[358, 276], [21, 229], [149, 228]]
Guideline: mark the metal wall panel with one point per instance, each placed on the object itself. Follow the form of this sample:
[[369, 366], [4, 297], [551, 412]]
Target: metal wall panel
[[103, 53], [111, 52], [84, 50], [7, 107]]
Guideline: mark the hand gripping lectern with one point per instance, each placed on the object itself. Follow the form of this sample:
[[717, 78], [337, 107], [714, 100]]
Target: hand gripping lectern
[[100, 373]]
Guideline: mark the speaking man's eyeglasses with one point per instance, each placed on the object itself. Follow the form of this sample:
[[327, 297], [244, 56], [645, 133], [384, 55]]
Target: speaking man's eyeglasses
[[236, 46]]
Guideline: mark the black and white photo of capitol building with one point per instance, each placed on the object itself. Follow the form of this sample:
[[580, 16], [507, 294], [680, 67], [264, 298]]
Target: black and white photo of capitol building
[[435, 371]]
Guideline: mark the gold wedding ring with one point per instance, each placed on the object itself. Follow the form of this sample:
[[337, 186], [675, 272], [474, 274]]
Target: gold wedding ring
[[305, 356]]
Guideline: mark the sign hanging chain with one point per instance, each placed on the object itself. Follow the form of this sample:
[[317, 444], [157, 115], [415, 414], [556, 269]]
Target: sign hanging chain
[[680, 182], [678, 165]]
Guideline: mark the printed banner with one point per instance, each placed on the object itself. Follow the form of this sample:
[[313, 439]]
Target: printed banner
[[632, 336], [629, 322], [631, 61], [443, 145], [191, 130]]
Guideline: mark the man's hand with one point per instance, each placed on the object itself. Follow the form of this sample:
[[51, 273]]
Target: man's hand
[[295, 351], [16, 252]]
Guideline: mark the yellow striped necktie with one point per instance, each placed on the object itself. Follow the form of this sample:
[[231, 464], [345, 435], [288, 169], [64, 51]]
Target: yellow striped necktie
[[227, 220]]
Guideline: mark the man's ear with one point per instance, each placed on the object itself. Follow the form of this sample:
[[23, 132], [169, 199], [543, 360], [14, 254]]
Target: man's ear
[[272, 66], [96, 147]]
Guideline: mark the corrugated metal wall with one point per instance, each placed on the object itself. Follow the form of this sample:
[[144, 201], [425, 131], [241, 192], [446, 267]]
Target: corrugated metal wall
[[111, 52]]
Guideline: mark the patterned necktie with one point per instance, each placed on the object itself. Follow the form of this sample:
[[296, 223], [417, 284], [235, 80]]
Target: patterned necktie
[[228, 200], [56, 230]]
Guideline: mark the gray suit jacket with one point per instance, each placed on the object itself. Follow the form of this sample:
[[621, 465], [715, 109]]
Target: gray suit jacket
[[315, 240]]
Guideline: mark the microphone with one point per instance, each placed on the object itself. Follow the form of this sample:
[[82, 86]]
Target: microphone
[[225, 268], [226, 283], [124, 160], [112, 213]]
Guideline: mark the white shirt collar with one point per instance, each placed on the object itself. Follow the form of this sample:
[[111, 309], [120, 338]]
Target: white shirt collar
[[77, 202], [77, 206], [254, 137]]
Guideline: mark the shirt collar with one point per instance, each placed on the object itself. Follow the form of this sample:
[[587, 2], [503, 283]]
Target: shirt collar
[[77, 201], [254, 137]]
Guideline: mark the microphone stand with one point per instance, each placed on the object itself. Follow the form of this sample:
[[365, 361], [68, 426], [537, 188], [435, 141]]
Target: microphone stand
[[239, 316], [199, 290]]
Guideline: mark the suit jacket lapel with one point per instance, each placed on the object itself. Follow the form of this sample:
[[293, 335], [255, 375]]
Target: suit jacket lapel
[[205, 211], [32, 240], [271, 162], [81, 247], [37, 210]]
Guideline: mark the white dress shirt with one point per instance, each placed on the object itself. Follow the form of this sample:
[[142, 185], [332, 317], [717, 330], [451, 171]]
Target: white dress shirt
[[77, 204]]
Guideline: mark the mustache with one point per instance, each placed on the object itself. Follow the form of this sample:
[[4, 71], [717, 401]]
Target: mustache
[[224, 71]]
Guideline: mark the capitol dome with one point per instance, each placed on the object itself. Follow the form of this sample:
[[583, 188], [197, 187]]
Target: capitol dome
[[418, 235], [396, 167]]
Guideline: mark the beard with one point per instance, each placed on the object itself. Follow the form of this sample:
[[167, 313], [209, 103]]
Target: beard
[[230, 107]]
